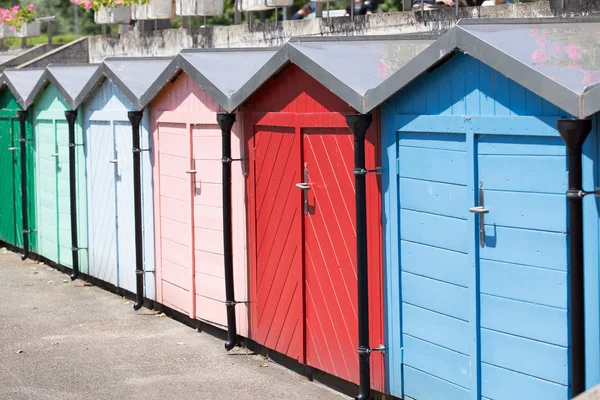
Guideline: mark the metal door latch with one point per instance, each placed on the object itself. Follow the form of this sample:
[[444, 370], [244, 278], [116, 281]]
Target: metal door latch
[[579, 194], [362, 171], [12, 149], [233, 303], [363, 350], [305, 187], [114, 161], [55, 155], [227, 160], [481, 211]]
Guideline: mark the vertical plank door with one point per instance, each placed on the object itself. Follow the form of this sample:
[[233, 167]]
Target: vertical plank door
[[47, 163], [9, 148], [63, 198], [101, 200], [125, 206]]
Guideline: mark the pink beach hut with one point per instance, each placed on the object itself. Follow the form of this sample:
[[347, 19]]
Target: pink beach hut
[[191, 257]]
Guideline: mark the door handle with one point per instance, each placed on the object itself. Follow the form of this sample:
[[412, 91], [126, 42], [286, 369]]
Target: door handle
[[114, 161], [55, 155], [193, 173], [481, 211], [12, 149], [305, 187]]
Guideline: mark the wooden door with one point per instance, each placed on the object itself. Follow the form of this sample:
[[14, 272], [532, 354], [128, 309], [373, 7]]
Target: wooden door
[[209, 278], [330, 252], [275, 213], [47, 164], [125, 201], [523, 330], [330, 249], [63, 197], [479, 311], [174, 218], [305, 283], [435, 277], [9, 202], [101, 201]]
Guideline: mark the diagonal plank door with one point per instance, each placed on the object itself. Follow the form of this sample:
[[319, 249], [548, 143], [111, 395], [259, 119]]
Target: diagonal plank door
[[330, 252], [278, 320]]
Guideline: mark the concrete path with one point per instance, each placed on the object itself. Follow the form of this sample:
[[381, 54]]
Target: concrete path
[[65, 340]]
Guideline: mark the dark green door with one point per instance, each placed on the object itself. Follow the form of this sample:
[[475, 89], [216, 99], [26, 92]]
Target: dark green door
[[10, 207], [11, 223]]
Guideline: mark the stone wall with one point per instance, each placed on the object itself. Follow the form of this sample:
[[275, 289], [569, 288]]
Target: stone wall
[[170, 42]]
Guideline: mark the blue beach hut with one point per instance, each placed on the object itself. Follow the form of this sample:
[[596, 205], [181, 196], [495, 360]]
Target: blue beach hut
[[491, 270]]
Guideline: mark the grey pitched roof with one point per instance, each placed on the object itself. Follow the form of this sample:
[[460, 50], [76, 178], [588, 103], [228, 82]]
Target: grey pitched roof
[[228, 74], [25, 84], [355, 66], [74, 82], [351, 67], [137, 77], [556, 58]]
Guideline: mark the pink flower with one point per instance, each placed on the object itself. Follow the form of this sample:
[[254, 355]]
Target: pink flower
[[574, 52], [556, 48], [533, 32], [538, 56], [16, 9], [31, 7], [87, 4], [540, 41]]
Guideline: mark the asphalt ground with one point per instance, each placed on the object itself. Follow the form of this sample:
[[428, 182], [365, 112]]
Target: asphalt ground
[[69, 340]]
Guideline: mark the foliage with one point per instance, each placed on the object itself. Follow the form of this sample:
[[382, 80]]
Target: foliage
[[33, 41], [96, 4], [17, 16]]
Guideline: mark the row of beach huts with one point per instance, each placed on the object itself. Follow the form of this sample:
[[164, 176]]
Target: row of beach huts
[[413, 214]]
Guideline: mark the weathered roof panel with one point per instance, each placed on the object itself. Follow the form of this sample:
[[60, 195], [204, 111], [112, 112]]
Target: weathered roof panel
[[25, 84], [224, 72], [74, 82], [566, 52], [361, 64], [556, 58], [351, 67], [138, 78]]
